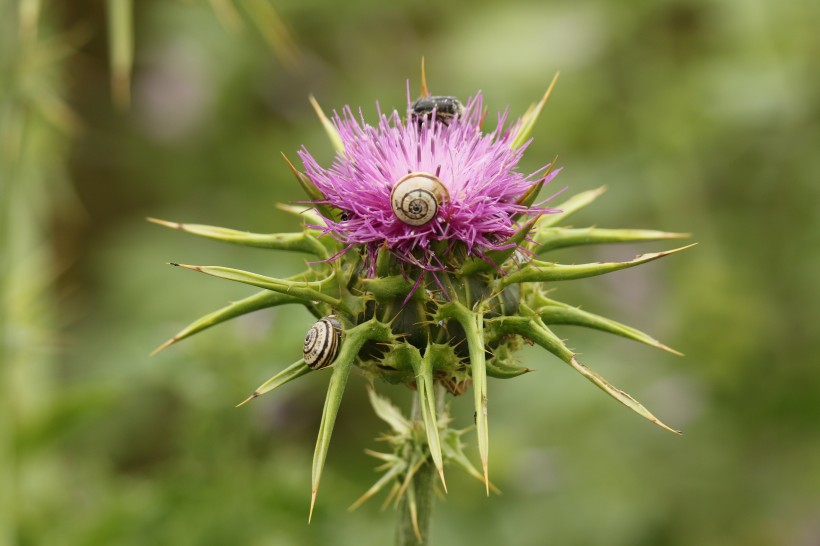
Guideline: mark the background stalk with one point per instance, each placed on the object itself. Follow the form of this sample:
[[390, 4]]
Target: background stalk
[[423, 486], [34, 126]]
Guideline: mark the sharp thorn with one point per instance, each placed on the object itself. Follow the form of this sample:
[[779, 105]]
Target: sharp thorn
[[549, 89], [424, 91], [186, 266], [414, 519], [312, 504], [165, 223], [441, 475], [316, 108], [670, 429], [248, 399], [292, 167], [669, 349], [164, 346]]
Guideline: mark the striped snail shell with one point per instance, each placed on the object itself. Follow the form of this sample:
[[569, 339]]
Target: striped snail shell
[[322, 342], [417, 197]]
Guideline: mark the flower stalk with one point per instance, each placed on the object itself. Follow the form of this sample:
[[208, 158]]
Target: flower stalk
[[415, 510]]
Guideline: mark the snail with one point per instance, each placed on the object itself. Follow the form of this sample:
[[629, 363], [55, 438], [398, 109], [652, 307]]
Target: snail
[[417, 197], [445, 108], [322, 342]]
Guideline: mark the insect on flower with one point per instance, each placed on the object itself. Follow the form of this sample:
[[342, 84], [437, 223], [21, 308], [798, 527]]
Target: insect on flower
[[442, 108]]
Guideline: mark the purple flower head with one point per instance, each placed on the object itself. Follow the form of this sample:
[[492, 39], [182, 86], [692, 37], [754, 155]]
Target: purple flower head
[[425, 189]]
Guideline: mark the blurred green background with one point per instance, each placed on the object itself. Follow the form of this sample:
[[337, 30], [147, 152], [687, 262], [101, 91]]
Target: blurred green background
[[699, 116]]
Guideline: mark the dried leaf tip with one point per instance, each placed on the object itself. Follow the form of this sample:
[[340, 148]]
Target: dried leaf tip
[[312, 504], [330, 129], [164, 346], [290, 164], [164, 223], [186, 266], [530, 118], [666, 252], [669, 349], [424, 91], [255, 394]]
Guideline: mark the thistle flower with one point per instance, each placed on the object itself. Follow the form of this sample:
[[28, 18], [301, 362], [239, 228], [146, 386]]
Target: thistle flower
[[472, 175], [427, 242]]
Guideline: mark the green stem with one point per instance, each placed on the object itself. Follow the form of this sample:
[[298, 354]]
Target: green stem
[[424, 481]]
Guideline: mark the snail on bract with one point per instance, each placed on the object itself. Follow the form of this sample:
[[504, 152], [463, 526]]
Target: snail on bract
[[417, 197], [322, 342]]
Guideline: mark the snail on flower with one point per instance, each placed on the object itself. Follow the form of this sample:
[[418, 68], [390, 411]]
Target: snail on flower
[[417, 197]]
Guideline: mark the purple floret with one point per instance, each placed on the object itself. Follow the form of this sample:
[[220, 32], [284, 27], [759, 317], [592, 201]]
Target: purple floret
[[478, 170]]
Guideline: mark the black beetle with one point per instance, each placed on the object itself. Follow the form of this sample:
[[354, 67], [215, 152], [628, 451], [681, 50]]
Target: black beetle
[[445, 108]]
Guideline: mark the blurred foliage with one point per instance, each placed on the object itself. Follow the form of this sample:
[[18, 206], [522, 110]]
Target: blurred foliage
[[700, 116]]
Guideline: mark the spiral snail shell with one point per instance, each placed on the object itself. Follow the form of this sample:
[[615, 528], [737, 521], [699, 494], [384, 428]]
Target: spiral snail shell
[[417, 197], [322, 342]]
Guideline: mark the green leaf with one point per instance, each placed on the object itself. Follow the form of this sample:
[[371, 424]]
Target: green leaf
[[528, 198], [330, 129], [352, 342], [530, 118], [500, 367], [619, 395], [415, 461], [554, 312], [383, 259], [554, 238], [423, 369], [390, 458], [311, 190], [338, 381], [473, 325], [294, 371], [389, 413], [392, 473], [386, 288], [306, 213], [425, 388], [412, 506], [298, 242], [306, 290], [498, 257], [260, 300], [454, 452], [505, 371], [539, 333], [538, 271]]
